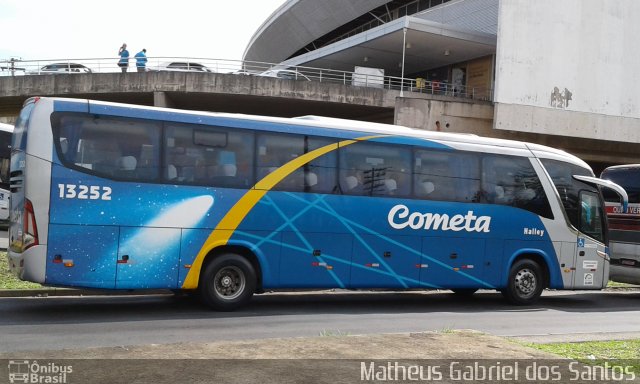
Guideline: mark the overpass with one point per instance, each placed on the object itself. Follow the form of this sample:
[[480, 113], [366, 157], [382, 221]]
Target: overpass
[[236, 93], [204, 91]]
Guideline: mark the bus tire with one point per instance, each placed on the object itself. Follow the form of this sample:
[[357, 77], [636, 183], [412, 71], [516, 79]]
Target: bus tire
[[525, 284], [227, 282]]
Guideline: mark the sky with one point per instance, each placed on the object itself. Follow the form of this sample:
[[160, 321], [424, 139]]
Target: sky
[[77, 29]]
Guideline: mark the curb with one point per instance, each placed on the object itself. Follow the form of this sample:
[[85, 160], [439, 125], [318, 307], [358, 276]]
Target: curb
[[45, 292]]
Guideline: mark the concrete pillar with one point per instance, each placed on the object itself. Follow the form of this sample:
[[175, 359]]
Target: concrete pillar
[[413, 113], [161, 99]]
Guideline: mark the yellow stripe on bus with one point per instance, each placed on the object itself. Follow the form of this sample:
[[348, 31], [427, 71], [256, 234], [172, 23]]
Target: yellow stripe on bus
[[230, 222]]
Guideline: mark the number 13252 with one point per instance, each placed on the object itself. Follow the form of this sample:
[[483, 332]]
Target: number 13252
[[84, 192]]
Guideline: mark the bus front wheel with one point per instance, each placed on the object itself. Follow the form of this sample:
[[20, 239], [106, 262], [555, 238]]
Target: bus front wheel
[[525, 284], [227, 282]]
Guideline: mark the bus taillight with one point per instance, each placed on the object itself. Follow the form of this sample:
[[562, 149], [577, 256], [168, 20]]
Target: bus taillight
[[30, 233]]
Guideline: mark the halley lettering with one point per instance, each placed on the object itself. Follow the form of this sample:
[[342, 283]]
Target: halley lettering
[[533, 232], [400, 217]]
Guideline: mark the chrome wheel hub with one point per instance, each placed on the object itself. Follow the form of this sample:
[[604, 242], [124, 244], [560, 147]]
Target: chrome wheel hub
[[526, 282], [229, 282]]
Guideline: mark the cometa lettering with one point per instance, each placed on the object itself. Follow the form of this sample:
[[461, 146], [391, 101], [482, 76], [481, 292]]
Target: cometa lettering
[[401, 217]]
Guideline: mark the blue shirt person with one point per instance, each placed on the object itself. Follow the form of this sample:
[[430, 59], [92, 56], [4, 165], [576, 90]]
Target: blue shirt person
[[123, 63], [141, 60]]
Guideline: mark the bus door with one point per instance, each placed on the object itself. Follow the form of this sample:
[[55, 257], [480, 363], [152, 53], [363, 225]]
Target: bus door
[[592, 258], [591, 255], [148, 257]]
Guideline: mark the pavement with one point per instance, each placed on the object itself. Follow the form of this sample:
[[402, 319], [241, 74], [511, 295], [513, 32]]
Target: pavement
[[331, 358], [423, 356], [466, 344]]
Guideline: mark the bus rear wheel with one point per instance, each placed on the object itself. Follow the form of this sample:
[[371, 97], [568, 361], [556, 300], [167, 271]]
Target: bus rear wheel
[[525, 284], [228, 282]]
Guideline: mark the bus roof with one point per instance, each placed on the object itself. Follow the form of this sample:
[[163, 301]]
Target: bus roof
[[444, 137], [366, 127]]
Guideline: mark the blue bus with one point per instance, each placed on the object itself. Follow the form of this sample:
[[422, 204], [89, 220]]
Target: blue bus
[[119, 196]]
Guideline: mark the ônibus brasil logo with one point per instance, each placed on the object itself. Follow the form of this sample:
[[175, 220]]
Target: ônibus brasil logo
[[401, 217], [24, 371]]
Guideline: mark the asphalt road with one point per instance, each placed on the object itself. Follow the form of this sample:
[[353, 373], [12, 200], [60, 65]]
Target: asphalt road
[[52, 323]]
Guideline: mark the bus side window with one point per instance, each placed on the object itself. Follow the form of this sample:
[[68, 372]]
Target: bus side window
[[276, 150], [127, 167], [320, 173], [225, 171], [316, 176], [446, 176], [99, 157], [148, 163], [100, 145], [373, 169], [205, 155], [513, 181], [498, 179], [237, 159], [64, 145]]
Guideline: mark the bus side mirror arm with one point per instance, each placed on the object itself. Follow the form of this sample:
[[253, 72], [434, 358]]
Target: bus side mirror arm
[[607, 184]]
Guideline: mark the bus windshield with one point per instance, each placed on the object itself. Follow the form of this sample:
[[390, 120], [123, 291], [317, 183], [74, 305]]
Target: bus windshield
[[581, 201]]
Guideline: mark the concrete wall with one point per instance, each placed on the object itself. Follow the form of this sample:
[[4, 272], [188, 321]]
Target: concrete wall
[[525, 118], [463, 117], [569, 68]]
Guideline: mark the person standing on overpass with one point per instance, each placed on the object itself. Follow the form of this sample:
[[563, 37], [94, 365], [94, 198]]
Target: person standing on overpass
[[123, 63], [141, 60]]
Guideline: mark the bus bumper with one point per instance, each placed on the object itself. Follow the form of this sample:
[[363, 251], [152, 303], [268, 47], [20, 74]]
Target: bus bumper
[[29, 265]]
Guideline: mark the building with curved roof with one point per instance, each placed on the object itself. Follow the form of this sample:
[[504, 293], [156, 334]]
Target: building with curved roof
[[559, 68], [340, 34]]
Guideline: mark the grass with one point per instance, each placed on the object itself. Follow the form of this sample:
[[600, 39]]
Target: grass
[[596, 352], [614, 284], [330, 333], [8, 280]]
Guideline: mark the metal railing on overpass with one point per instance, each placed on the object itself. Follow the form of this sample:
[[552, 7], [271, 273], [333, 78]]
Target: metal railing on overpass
[[16, 67]]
